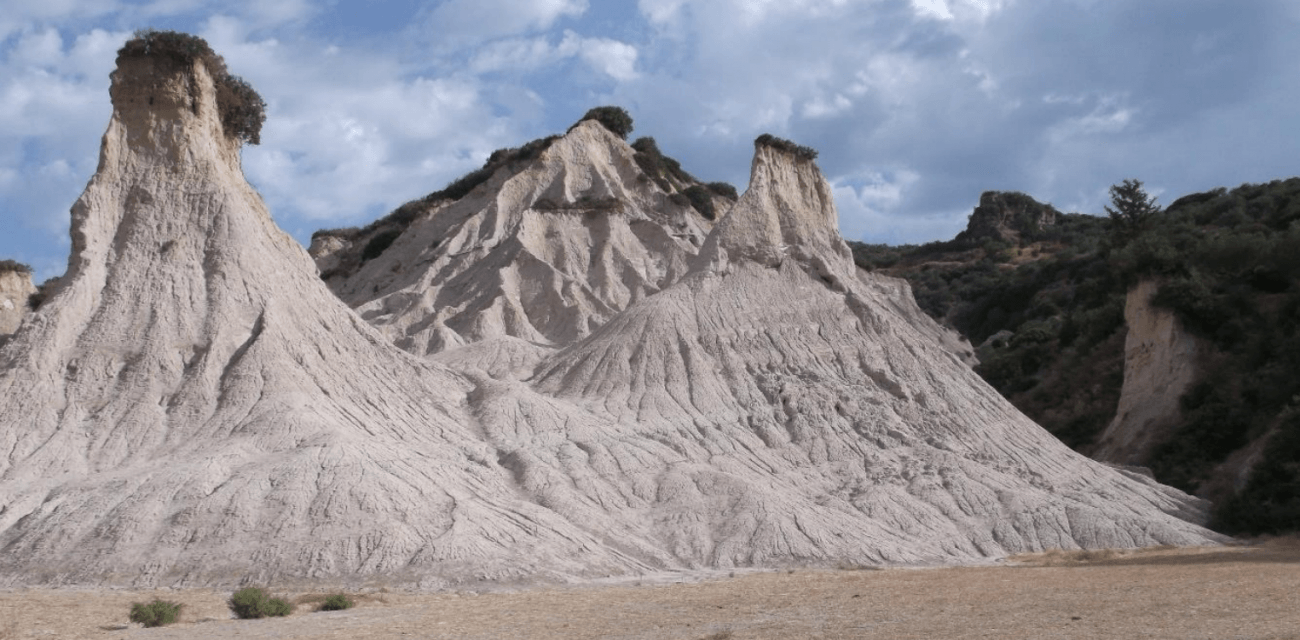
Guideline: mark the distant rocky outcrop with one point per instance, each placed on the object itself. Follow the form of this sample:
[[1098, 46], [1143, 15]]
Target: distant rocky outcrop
[[192, 405], [1161, 360], [16, 289], [1007, 216]]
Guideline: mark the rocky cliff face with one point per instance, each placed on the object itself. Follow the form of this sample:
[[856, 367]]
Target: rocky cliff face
[[192, 406], [1006, 216], [15, 289], [1160, 365], [545, 252]]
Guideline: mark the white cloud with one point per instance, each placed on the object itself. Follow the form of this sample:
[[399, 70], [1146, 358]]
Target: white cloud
[[660, 11], [462, 23], [611, 57], [872, 209], [616, 59]]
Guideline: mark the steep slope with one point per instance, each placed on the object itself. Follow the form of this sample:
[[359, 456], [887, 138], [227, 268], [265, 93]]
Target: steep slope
[[193, 406], [1160, 365], [549, 247], [799, 409]]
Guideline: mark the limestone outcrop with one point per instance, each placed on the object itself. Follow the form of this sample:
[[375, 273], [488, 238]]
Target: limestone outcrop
[[193, 406], [1160, 365], [1006, 216]]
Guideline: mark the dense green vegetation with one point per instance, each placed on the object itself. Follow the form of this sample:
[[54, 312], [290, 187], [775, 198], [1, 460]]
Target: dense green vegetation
[[1045, 305], [1229, 263], [241, 108]]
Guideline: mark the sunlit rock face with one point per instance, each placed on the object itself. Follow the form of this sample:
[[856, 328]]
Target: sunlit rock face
[[193, 406]]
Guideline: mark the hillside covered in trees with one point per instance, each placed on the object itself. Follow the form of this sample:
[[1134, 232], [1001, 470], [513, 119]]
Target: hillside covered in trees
[[1042, 294]]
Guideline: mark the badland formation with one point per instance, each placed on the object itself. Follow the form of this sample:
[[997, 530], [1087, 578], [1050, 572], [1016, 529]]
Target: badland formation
[[564, 373]]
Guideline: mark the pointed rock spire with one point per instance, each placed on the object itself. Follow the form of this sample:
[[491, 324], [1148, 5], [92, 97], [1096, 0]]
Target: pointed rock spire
[[788, 210]]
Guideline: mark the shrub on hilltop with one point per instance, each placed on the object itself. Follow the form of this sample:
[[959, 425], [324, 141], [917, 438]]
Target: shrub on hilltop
[[616, 119], [241, 109], [781, 144], [12, 266]]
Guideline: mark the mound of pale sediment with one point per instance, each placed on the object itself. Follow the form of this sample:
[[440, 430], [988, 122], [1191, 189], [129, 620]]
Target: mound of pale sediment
[[192, 405], [797, 408], [548, 249]]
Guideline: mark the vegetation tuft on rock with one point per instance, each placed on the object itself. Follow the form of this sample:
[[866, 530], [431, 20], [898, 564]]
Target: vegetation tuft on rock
[[241, 108]]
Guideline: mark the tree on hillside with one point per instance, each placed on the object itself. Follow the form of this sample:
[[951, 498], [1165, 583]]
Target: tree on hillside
[[616, 119], [1132, 209]]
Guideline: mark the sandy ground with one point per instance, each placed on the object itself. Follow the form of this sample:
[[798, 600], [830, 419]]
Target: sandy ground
[[1228, 593]]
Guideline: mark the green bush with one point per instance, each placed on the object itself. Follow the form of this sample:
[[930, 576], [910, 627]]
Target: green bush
[[241, 109], [379, 244], [723, 189], [336, 602], [658, 166], [615, 119], [156, 613], [255, 602], [781, 144], [702, 199], [10, 266]]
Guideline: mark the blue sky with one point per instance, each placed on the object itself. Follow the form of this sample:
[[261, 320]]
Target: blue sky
[[917, 106]]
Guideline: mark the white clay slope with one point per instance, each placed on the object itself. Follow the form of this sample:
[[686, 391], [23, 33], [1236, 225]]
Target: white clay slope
[[193, 407], [800, 409], [545, 254]]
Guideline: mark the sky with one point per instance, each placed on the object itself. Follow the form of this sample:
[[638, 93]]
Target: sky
[[916, 106]]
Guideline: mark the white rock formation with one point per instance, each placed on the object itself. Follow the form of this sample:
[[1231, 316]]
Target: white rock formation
[[1160, 365], [15, 289], [192, 406], [545, 253]]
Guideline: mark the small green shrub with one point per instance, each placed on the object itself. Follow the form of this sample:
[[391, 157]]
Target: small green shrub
[[702, 199], [723, 189], [156, 613], [336, 602], [255, 602], [616, 119], [659, 166], [11, 266], [379, 244], [781, 144]]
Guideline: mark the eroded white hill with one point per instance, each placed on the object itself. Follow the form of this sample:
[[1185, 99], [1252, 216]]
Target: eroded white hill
[[193, 406]]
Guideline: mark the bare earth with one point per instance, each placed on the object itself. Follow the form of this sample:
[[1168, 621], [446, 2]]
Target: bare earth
[[1202, 593]]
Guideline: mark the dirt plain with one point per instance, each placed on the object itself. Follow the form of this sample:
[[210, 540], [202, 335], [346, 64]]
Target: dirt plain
[[1211, 593]]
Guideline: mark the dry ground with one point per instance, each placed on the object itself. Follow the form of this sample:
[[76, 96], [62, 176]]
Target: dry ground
[[1227, 593]]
